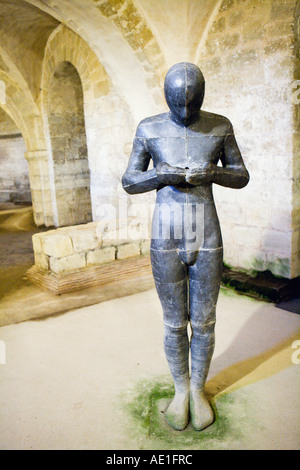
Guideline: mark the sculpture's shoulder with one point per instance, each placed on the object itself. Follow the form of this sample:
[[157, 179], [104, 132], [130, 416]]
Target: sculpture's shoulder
[[152, 126], [215, 124]]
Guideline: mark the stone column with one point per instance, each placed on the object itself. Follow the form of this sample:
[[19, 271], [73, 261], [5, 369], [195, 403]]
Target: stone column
[[42, 188]]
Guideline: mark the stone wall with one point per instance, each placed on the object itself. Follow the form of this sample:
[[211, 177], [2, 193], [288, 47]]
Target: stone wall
[[247, 61], [296, 146], [14, 175], [110, 131]]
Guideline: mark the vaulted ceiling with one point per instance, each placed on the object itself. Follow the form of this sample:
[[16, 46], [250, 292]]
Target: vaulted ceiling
[[25, 26], [175, 28], [24, 32]]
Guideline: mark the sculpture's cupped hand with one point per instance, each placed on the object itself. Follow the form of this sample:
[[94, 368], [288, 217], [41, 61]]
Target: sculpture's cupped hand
[[202, 175], [170, 175]]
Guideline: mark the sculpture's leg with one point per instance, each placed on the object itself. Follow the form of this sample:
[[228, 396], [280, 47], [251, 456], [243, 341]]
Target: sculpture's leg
[[170, 276], [205, 279]]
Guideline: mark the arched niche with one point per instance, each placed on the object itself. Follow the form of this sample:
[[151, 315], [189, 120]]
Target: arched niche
[[14, 174], [68, 144]]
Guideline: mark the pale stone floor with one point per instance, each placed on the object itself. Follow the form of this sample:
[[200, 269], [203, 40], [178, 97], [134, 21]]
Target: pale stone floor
[[96, 378]]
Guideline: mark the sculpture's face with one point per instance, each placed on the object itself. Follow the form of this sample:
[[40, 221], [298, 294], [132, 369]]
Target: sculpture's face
[[184, 91]]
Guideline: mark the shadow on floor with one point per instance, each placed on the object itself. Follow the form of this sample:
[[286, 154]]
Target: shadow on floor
[[16, 251], [254, 366]]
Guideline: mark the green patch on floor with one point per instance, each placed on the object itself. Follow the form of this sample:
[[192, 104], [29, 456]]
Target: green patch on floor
[[145, 406], [231, 291]]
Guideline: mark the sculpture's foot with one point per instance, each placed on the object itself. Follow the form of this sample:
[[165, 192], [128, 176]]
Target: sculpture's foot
[[202, 414], [177, 414]]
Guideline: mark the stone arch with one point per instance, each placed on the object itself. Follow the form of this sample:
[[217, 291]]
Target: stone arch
[[206, 31], [20, 103], [15, 185], [109, 123], [25, 112], [65, 116], [110, 42], [126, 15], [65, 46], [19, 106]]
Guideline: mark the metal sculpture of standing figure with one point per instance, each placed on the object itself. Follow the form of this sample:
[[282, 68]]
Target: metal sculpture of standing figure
[[185, 146]]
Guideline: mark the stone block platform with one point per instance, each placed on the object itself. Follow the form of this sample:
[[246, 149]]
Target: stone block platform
[[77, 257]]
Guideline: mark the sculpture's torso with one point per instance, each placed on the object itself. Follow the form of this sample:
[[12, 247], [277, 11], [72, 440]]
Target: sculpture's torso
[[186, 147]]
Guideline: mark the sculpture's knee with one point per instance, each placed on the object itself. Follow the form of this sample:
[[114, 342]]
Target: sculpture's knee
[[176, 340], [203, 334]]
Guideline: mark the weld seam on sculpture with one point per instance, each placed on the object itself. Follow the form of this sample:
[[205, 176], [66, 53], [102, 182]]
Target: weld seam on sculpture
[[166, 282], [181, 327], [193, 251], [187, 272]]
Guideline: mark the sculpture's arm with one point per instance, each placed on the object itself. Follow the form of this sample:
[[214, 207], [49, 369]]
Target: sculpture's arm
[[233, 173], [136, 178]]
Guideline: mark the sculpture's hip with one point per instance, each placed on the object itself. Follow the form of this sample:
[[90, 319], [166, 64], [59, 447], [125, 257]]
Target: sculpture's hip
[[185, 220]]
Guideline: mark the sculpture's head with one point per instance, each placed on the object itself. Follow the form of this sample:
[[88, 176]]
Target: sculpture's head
[[184, 91]]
